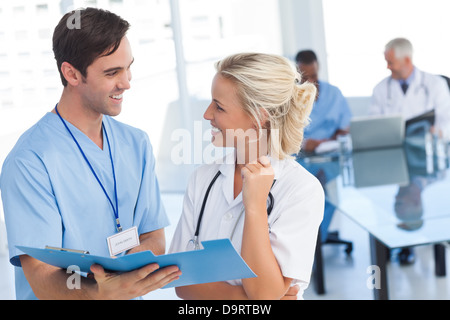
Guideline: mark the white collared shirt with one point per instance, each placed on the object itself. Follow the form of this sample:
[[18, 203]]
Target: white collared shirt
[[293, 223]]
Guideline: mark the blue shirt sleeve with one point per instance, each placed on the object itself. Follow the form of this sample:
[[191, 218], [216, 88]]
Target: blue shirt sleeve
[[31, 212]]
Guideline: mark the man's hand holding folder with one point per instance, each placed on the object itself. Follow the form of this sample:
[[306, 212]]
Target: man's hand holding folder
[[129, 285]]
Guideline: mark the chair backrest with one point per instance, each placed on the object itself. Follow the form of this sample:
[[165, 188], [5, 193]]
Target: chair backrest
[[446, 79]]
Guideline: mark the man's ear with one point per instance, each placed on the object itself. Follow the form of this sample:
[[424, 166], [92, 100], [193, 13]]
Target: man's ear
[[408, 60], [71, 74]]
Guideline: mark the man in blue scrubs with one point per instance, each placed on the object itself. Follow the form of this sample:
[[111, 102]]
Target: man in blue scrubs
[[78, 176], [331, 114]]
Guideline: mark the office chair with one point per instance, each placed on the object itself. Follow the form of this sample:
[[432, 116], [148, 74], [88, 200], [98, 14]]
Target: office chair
[[446, 79], [332, 237]]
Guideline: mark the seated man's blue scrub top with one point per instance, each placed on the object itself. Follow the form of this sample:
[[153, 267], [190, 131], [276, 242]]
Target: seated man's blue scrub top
[[329, 114], [51, 197]]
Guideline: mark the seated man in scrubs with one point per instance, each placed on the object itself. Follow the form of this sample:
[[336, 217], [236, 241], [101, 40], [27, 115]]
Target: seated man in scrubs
[[331, 114], [78, 176]]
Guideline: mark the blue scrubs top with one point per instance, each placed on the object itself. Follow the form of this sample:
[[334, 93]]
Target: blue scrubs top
[[330, 113], [51, 197]]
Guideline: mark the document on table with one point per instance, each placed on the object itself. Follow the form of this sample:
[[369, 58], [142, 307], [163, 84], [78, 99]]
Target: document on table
[[218, 261]]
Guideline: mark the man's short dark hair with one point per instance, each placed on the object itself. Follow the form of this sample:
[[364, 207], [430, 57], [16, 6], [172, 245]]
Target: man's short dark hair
[[99, 33], [306, 57]]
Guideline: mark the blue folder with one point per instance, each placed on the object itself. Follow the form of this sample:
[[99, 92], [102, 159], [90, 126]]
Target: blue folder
[[218, 261]]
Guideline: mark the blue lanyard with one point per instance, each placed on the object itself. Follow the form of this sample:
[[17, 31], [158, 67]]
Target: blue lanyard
[[116, 208]]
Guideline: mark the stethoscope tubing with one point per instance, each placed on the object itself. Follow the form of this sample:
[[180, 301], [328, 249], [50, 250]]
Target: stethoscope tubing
[[205, 199], [422, 86], [202, 210]]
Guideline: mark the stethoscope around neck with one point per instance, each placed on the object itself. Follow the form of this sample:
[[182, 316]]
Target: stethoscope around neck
[[194, 244]]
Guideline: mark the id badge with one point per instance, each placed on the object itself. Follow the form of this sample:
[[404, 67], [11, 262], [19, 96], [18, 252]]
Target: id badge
[[123, 241]]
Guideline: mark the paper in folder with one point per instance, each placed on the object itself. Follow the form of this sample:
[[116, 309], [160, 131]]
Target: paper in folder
[[218, 261]]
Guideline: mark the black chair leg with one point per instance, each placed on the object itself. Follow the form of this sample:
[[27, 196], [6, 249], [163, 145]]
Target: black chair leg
[[439, 257], [319, 280], [319, 273]]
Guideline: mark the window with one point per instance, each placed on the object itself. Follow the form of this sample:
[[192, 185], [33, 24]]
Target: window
[[19, 10], [42, 8], [213, 29], [210, 30]]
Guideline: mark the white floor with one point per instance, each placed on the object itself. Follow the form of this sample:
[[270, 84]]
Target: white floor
[[345, 278]]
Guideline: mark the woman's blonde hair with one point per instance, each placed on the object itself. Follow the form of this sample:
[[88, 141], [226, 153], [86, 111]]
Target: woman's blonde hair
[[268, 86]]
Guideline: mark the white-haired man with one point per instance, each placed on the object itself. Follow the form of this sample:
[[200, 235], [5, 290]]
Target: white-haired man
[[409, 91]]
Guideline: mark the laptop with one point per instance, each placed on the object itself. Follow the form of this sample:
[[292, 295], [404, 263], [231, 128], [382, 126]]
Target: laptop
[[374, 132]]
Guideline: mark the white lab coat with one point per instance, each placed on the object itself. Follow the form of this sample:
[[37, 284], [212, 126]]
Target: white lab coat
[[426, 92], [294, 221]]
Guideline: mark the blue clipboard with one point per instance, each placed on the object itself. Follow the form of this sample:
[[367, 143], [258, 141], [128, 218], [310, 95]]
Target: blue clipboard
[[217, 261]]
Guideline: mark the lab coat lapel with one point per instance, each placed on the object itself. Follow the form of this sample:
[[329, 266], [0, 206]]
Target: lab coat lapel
[[416, 101], [415, 83], [227, 170], [276, 165]]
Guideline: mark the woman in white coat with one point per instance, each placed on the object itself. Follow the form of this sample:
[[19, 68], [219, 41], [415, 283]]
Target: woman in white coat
[[259, 197], [409, 91]]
